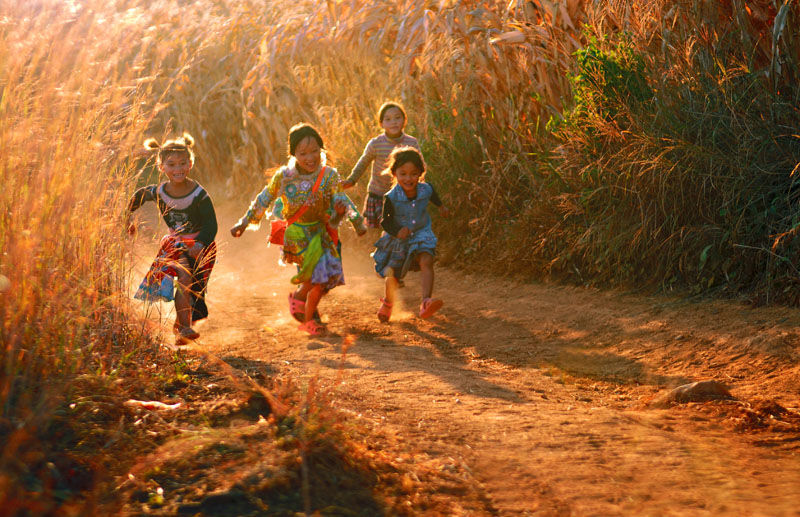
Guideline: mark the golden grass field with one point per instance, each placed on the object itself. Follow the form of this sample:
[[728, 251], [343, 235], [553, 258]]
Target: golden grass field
[[691, 188]]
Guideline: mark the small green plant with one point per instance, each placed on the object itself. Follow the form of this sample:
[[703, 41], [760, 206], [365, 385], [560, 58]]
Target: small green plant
[[611, 78]]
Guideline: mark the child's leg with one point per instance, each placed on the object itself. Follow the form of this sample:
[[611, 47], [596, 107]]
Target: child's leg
[[390, 286], [426, 270], [429, 305], [313, 297], [183, 306], [302, 291], [301, 294]]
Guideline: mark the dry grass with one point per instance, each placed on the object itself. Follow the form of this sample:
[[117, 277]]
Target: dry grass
[[69, 119], [692, 186], [82, 84]]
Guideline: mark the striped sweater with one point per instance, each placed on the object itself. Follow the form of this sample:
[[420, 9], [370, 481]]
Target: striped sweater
[[377, 152]]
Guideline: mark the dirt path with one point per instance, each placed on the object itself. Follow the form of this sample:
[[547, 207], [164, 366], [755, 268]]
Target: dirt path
[[540, 391]]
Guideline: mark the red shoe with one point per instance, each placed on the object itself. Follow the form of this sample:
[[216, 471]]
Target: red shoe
[[429, 307], [385, 312]]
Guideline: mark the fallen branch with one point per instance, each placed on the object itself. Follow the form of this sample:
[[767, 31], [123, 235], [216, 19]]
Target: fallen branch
[[151, 404]]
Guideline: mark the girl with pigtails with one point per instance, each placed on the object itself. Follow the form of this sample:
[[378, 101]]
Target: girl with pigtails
[[188, 252]]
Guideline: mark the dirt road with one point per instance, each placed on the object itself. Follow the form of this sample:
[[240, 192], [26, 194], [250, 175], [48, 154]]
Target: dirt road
[[540, 392]]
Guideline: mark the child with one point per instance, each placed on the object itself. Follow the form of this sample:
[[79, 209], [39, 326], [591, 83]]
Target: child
[[189, 250], [407, 243], [306, 186], [392, 118]]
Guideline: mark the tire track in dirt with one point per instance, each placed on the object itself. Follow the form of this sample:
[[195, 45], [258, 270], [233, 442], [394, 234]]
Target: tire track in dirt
[[538, 390]]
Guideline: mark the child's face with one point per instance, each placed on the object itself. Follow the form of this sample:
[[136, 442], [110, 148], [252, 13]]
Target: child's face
[[176, 166], [407, 177], [308, 155], [393, 122]]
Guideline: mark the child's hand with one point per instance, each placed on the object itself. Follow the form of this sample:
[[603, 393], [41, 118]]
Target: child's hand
[[444, 211], [404, 233], [346, 184], [238, 229], [340, 207], [132, 229]]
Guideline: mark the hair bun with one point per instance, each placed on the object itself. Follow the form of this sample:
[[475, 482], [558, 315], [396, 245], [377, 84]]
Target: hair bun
[[188, 140], [151, 144]]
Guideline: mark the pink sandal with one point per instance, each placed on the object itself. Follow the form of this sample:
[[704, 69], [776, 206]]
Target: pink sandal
[[385, 312], [429, 307], [297, 308], [312, 327]]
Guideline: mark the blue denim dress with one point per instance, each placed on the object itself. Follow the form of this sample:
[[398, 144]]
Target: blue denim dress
[[411, 213]]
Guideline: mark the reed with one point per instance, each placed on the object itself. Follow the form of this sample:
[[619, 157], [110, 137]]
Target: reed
[[69, 120], [620, 143]]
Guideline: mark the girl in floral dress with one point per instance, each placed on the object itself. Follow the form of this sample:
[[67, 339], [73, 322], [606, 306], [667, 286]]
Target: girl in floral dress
[[310, 242]]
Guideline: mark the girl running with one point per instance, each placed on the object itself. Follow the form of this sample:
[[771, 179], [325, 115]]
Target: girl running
[[188, 252], [312, 204], [408, 242], [392, 118]]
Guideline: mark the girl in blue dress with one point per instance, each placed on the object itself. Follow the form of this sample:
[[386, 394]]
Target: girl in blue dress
[[408, 242]]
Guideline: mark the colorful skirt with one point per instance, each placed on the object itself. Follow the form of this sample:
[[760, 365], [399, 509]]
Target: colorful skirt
[[312, 249], [158, 283]]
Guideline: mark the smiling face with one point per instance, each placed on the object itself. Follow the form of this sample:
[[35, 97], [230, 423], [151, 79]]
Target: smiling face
[[176, 166], [393, 122], [408, 176], [308, 155]]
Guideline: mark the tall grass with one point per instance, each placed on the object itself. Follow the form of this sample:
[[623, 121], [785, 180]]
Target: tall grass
[[603, 142], [691, 185], [69, 119], [665, 190]]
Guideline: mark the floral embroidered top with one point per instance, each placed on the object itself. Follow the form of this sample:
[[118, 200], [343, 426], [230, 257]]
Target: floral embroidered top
[[293, 188]]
